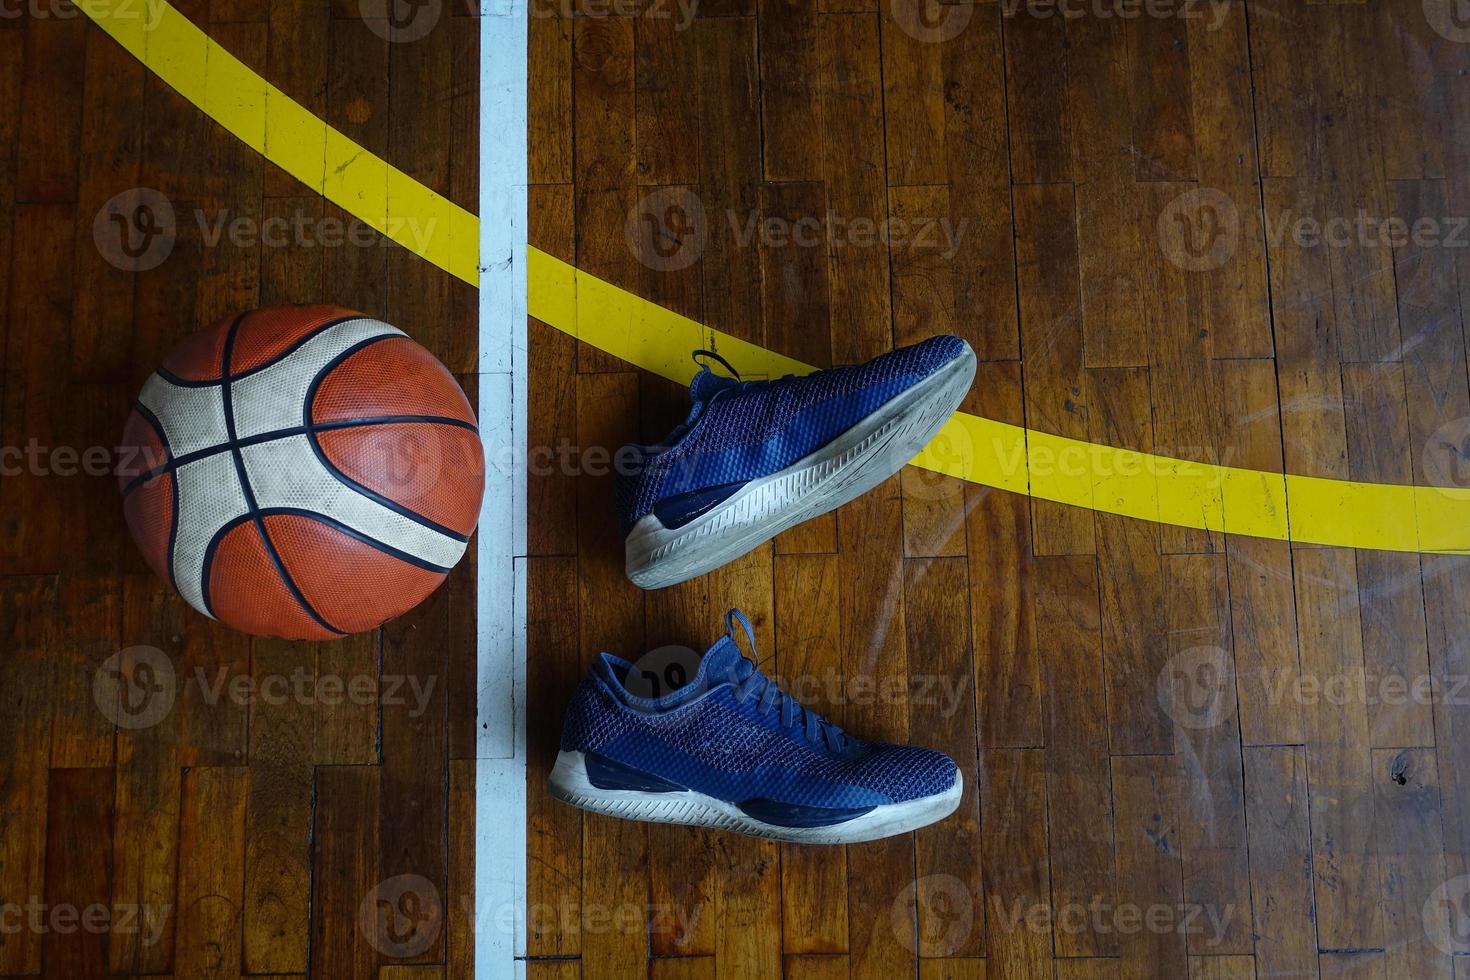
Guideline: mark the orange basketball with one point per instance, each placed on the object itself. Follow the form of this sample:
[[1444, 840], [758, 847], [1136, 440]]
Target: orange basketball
[[302, 471]]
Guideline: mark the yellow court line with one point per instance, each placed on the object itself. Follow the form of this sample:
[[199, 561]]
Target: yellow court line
[[1103, 478]]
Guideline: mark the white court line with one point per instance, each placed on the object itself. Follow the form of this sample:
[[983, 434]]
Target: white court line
[[500, 756]]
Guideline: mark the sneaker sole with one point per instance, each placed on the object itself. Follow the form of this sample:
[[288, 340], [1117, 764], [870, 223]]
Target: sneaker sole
[[569, 783], [844, 469]]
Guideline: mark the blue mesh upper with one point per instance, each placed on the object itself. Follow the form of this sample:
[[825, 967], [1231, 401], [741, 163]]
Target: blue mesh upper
[[741, 431], [708, 739]]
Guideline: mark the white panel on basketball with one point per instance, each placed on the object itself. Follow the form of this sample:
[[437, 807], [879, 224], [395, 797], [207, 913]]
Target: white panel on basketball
[[287, 473], [192, 418], [271, 398], [209, 498]]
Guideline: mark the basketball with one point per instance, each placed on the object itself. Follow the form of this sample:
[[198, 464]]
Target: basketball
[[304, 472]]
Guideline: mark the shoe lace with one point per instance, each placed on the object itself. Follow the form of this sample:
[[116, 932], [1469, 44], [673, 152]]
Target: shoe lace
[[731, 368], [750, 682]]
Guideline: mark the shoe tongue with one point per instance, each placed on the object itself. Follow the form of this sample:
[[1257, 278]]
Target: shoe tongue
[[707, 384]]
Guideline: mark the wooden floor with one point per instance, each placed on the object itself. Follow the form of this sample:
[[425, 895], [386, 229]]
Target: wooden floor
[[1186, 754], [1171, 766], [243, 829]]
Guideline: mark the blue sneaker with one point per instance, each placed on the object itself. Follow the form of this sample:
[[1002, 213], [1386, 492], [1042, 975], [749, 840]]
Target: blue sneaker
[[757, 457], [731, 750]]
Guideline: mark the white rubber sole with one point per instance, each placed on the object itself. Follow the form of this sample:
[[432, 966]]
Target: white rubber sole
[[569, 783], [843, 470]]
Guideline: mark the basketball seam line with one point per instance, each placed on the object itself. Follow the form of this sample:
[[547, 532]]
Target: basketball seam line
[[146, 414], [343, 478], [174, 379], [178, 462], [250, 502]]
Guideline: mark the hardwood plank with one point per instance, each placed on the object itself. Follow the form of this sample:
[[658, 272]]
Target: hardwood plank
[[1038, 117], [1013, 849], [1344, 864], [1235, 309], [1130, 570], [796, 304], [462, 917], [1390, 595], [1150, 867], [1080, 812], [1280, 860], [344, 870], [1411, 862], [50, 110], [278, 806], [1366, 965], [347, 733], [730, 171], [1212, 837], [40, 302], [850, 120], [1160, 76], [978, 174], [942, 716], [813, 879], [665, 71], [414, 779], [1110, 209], [78, 917], [549, 130], [211, 871], [1051, 342], [108, 165], [788, 49], [297, 57], [89, 607], [1222, 968], [145, 857], [554, 665], [1007, 671], [914, 91], [1262, 602]]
